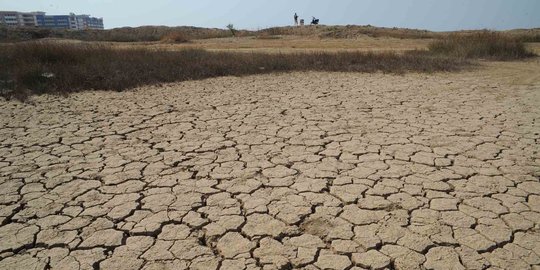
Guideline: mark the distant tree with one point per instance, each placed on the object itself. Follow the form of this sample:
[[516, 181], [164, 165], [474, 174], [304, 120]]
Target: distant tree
[[230, 26]]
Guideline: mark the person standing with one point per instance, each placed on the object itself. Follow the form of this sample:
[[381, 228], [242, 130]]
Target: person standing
[[295, 19]]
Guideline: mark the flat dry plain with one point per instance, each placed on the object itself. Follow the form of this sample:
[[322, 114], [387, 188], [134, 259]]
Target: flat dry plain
[[300, 170], [295, 44]]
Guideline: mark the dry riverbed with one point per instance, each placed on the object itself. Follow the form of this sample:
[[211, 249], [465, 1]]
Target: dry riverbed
[[300, 170]]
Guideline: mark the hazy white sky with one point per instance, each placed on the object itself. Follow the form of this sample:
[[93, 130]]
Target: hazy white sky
[[439, 15]]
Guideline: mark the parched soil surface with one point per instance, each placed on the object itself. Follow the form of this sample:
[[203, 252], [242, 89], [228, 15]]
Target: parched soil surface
[[301, 170]]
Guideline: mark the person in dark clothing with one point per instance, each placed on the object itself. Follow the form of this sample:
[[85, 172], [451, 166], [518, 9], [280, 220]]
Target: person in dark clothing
[[295, 19]]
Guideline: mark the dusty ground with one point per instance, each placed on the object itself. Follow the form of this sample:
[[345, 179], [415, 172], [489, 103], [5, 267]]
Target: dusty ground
[[303, 170]]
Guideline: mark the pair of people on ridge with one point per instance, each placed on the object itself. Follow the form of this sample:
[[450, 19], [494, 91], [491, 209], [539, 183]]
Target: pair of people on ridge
[[314, 21]]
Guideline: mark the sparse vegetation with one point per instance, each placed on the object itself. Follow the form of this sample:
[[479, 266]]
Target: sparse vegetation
[[354, 31], [157, 33], [267, 36], [125, 34], [175, 37], [36, 68], [529, 38], [483, 45], [231, 28], [57, 67]]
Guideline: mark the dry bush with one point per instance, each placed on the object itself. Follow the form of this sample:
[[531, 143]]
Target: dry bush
[[348, 32], [156, 33], [481, 45], [124, 34], [530, 38], [37, 68], [175, 37], [355, 31], [147, 33], [307, 30]]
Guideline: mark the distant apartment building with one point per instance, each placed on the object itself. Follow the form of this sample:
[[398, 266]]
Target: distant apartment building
[[41, 19], [19, 19]]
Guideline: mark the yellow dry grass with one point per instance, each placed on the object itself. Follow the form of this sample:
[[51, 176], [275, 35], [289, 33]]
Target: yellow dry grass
[[287, 44], [282, 44]]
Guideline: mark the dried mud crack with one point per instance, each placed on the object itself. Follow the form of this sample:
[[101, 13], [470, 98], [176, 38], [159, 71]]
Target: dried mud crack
[[301, 170]]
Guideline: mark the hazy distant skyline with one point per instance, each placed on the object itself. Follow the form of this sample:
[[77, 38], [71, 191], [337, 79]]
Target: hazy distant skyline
[[437, 15]]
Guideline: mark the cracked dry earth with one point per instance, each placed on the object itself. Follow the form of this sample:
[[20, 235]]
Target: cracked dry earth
[[300, 170]]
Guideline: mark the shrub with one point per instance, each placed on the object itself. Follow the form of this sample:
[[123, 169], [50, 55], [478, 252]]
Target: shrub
[[230, 26], [64, 68], [530, 37], [482, 45], [175, 37], [124, 34]]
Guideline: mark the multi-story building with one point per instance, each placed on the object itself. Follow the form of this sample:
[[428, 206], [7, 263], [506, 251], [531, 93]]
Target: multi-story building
[[86, 22], [28, 18], [54, 21], [9, 18], [40, 19], [17, 19]]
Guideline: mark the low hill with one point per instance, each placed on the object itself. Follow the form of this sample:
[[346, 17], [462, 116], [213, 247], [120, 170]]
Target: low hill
[[156, 33], [124, 34]]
